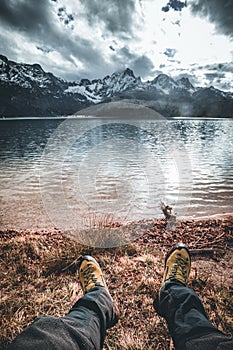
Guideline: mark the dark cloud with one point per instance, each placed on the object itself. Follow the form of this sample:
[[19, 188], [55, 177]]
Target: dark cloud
[[219, 12], [142, 66], [43, 49], [162, 66], [125, 53], [65, 17], [226, 67], [217, 79], [25, 15], [176, 23], [212, 76], [226, 86], [117, 16], [165, 8], [170, 52], [217, 75], [5, 48], [175, 5], [174, 61], [44, 26], [35, 21], [61, 10], [220, 67], [123, 57]]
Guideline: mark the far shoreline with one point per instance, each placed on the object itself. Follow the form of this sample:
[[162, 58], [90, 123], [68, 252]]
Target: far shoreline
[[83, 117]]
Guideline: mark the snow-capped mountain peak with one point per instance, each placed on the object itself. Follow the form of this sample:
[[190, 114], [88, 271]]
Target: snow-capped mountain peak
[[165, 83], [29, 76], [127, 72], [184, 83], [36, 92], [98, 89]]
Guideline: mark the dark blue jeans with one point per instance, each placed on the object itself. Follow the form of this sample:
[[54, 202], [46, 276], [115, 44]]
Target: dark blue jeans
[[187, 321]]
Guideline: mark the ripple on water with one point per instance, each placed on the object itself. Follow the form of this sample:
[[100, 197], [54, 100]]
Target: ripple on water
[[119, 175]]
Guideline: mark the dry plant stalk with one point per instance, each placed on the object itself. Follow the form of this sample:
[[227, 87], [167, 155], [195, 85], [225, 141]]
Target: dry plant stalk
[[168, 211]]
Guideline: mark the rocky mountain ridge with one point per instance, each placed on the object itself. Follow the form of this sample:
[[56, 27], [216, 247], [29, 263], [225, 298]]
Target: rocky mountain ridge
[[27, 90]]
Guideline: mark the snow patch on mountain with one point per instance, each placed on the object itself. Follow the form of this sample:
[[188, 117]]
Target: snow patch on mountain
[[25, 82], [82, 90], [28, 76], [164, 83], [97, 90]]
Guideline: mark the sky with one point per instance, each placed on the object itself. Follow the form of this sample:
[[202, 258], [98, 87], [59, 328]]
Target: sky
[[75, 39]]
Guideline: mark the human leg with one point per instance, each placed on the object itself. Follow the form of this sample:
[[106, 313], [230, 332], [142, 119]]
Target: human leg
[[180, 306], [95, 312], [84, 327]]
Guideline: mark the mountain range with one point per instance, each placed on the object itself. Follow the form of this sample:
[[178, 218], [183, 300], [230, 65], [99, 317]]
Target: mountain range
[[27, 90]]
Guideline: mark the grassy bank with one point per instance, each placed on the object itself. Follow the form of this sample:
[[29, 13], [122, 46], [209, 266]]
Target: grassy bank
[[39, 276]]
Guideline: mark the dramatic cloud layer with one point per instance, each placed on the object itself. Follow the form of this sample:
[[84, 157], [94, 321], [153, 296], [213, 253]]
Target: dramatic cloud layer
[[220, 12], [31, 16], [77, 39], [217, 75], [117, 16]]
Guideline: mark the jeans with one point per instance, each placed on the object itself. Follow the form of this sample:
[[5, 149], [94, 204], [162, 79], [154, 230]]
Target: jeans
[[187, 321], [84, 327]]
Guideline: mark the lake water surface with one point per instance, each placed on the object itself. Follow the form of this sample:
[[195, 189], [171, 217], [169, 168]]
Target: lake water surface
[[56, 172]]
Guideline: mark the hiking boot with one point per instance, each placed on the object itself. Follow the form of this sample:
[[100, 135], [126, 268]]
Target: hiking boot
[[90, 274], [177, 264]]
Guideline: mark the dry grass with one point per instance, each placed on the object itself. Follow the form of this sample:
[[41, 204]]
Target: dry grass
[[38, 277]]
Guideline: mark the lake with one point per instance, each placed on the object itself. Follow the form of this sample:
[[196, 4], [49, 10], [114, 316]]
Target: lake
[[64, 173]]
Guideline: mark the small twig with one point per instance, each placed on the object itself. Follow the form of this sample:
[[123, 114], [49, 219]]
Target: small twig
[[199, 239], [73, 263], [220, 236]]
